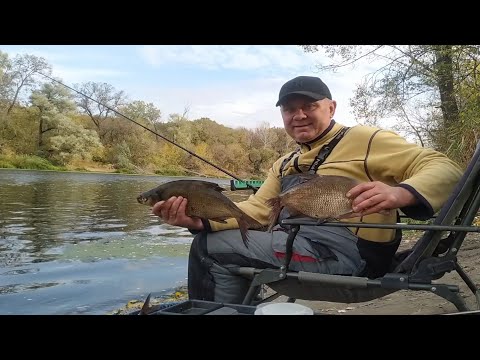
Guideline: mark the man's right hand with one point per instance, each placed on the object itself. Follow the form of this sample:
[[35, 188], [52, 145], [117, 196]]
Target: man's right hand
[[172, 211]]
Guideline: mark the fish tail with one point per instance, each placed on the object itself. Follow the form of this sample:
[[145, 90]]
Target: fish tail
[[276, 206]]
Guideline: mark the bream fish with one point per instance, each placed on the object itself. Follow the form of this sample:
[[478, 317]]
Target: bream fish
[[205, 200], [317, 196]]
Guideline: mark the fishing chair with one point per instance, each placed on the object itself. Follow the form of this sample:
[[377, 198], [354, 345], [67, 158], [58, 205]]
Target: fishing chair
[[432, 256]]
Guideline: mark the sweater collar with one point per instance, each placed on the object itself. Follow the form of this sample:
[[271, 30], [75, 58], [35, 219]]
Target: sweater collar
[[321, 139]]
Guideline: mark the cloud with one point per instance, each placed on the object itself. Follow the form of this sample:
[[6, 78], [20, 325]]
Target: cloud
[[79, 74], [245, 103], [251, 101], [49, 56], [69, 62], [61, 54], [240, 57]]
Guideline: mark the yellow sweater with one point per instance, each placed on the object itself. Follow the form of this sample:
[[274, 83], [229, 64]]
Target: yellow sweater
[[367, 154]]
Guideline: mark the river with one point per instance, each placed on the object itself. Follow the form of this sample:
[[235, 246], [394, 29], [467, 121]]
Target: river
[[79, 243]]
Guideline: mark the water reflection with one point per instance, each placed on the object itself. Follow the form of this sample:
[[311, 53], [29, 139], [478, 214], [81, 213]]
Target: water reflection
[[70, 240]]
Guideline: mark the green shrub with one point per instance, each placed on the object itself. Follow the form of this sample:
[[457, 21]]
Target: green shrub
[[30, 162], [33, 163], [124, 171], [6, 164], [170, 170]]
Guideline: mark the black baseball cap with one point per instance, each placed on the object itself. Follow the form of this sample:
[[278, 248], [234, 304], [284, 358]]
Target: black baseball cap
[[310, 86]]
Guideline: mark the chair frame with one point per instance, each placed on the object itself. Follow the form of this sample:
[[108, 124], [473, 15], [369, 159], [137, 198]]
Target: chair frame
[[429, 259]]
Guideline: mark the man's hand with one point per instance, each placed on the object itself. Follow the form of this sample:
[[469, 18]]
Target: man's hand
[[172, 211], [373, 197]]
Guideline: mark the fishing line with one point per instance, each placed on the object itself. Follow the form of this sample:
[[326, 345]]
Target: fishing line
[[153, 132]]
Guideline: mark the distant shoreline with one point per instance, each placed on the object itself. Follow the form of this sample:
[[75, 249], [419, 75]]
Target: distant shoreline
[[108, 173]]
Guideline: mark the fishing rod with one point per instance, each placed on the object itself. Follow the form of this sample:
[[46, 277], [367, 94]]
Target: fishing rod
[[153, 132]]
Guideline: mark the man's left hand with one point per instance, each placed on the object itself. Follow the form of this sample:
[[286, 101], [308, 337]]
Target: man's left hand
[[373, 197]]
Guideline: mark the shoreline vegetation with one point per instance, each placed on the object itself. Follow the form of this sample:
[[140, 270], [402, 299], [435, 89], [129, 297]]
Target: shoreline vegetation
[[180, 293], [32, 162]]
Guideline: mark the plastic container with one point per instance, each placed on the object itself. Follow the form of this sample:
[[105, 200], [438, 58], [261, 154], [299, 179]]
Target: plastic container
[[200, 307], [283, 309]]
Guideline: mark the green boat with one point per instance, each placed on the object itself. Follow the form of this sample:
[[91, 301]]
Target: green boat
[[242, 185]]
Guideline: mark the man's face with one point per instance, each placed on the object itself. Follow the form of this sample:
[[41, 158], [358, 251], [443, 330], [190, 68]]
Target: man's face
[[304, 118]]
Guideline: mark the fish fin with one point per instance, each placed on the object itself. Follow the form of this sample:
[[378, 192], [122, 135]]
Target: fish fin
[[304, 177], [322, 220], [252, 223], [276, 206], [220, 220], [210, 185], [243, 226], [348, 215], [301, 178], [246, 222], [146, 306], [297, 215], [352, 214]]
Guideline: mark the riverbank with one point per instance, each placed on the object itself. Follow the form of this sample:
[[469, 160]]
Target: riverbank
[[34, 166], [179, 294], [32, 162]]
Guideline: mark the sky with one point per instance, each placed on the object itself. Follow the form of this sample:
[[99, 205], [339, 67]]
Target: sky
[[234, 85]]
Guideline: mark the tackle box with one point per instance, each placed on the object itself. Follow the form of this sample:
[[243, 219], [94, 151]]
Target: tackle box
[[200, 307]]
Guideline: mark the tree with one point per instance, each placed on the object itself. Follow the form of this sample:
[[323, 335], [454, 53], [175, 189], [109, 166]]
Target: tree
[[71, 140], [141, 144], [52, 100], [59, 138], [106, 98], [18, 74], [143, 113], [179, 130], [284, 142], [420, 77], [5, 67], [259, 158], [266, 135]]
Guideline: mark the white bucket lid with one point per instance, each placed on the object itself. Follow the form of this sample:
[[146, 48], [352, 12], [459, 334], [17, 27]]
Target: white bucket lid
[[283, 309]]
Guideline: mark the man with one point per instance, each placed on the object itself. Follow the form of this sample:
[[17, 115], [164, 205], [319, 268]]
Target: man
[[394, 174]]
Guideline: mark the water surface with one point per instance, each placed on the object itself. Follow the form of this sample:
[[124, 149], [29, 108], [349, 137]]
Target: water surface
[[79, 243]]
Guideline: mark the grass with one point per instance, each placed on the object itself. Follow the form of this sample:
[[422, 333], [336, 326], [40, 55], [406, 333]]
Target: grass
[[412, 234], [170, 171], [30, 162]]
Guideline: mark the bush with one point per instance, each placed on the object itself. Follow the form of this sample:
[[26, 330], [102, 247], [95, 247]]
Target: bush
[[124, 171], [33, 163], [27, 162], [170, 170], [6, 164]]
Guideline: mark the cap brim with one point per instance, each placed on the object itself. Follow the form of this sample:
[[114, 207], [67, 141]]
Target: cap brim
[[312, 95]]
